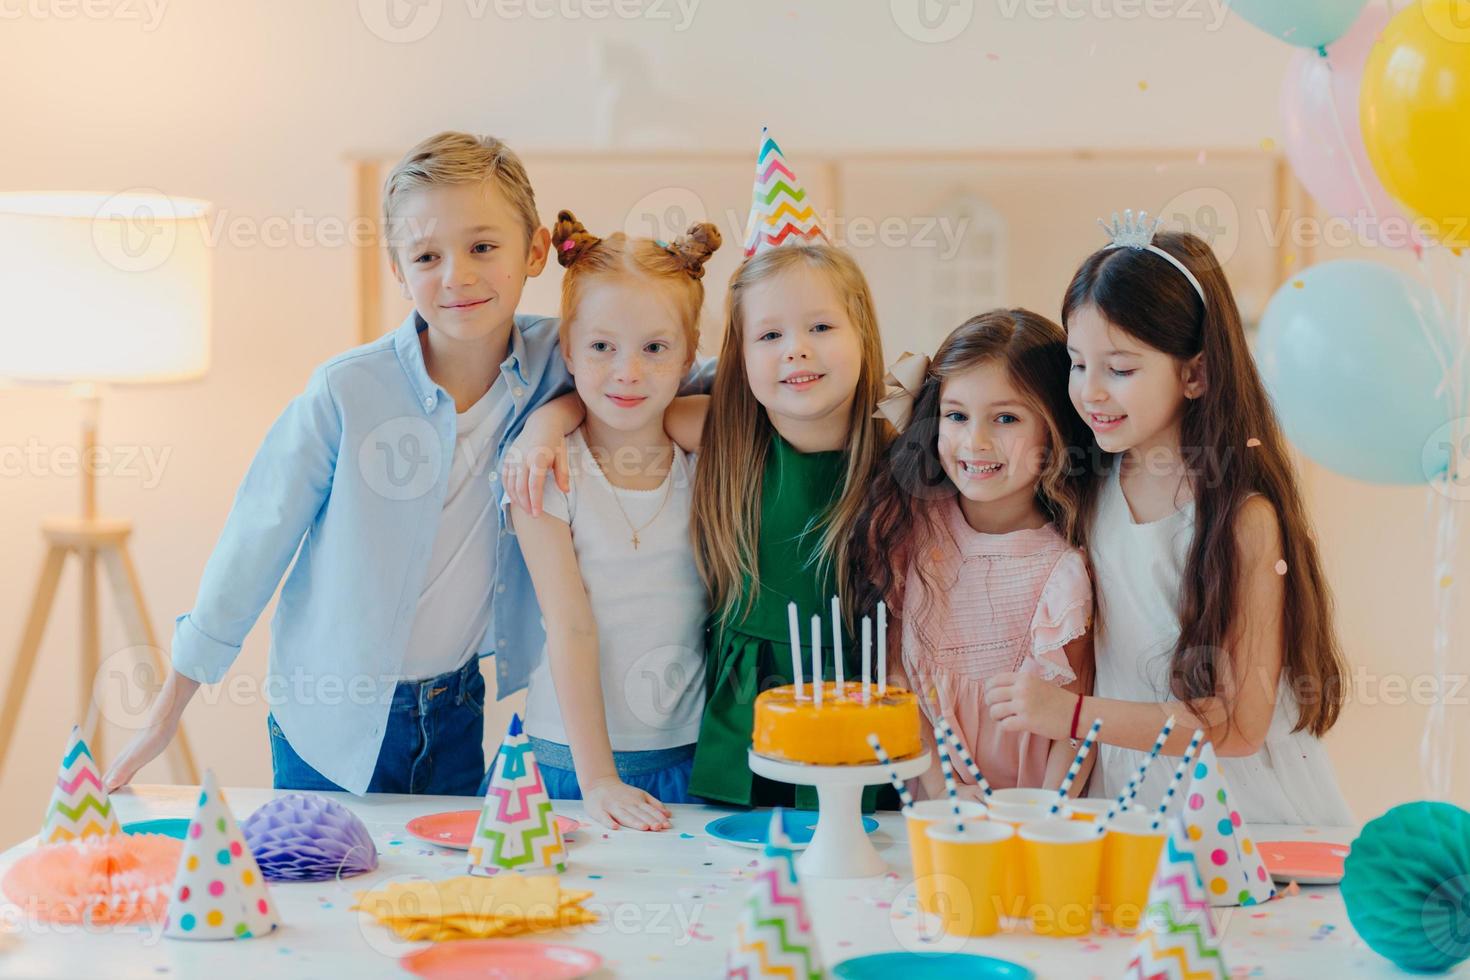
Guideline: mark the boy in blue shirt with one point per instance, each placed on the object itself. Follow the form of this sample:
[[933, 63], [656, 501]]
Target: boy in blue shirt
[[380, 479]]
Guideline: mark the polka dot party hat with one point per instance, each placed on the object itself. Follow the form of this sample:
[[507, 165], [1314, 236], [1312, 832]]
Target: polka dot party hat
[[1229, 862], [218, 890]]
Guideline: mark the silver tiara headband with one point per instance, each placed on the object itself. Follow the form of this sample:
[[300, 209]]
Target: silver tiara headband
[[1138, 234]]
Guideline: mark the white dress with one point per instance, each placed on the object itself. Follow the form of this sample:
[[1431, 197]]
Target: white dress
[[1137, 571]]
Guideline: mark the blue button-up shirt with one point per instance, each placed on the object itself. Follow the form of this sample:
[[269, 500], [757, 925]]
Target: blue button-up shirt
[[350, 482]]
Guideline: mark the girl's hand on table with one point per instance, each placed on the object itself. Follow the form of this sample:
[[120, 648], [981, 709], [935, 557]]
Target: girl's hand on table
[[613, 803]]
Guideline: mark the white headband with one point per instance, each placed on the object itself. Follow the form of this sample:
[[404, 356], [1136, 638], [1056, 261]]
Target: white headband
[[1139, 236]]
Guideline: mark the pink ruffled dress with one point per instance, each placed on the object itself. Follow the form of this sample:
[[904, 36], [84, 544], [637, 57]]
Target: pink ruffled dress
[[1003, 602]]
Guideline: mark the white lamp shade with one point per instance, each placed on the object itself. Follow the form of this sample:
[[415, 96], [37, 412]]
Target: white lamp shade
[[104, 287]]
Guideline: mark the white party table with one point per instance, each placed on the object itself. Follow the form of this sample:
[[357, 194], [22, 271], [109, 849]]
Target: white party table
[[667, 902]]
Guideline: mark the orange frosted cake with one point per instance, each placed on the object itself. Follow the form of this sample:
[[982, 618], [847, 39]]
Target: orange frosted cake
[[835, 732]]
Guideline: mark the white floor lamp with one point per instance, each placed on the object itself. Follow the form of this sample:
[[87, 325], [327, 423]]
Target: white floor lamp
[[98, 289]]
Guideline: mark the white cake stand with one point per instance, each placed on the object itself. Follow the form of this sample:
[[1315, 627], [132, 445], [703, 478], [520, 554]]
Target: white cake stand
[[839, 847]]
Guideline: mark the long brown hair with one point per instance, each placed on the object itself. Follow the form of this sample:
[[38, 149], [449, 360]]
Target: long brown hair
[[1141, 294], [737, 437], [903, 515]]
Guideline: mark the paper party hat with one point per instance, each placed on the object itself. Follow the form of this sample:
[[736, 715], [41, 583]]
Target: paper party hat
[[1177, 940], [219, 892], [774, 935], [780, 210], [516, 830], [79, 805], [1229, 862]]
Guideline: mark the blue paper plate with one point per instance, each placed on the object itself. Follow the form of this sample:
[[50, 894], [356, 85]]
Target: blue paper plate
[[749, 829], [168, 826], [930, 966]]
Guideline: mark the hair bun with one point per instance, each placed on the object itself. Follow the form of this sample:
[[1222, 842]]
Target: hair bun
[[570, 238], [695, 246]]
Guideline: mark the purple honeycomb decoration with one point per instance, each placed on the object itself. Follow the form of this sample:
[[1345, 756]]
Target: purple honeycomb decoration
[[305, 837]]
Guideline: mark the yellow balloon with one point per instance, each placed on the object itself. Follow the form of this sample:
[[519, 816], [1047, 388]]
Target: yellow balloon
[[1415, 107]]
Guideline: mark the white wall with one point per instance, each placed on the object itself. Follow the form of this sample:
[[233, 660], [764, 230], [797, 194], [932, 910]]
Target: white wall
[[254, 105]]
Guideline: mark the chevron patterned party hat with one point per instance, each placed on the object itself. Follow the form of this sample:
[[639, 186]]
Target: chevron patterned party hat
[[517, 830], [780, 210], [79, 805], [1177, 938], [1229, 862], [774, 935]]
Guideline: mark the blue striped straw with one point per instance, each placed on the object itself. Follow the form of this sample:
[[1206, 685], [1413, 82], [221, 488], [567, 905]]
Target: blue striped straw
[[882, 754], [954, 799], [1153, 753], [1128, 793], [1075, 768], [1199, 734], [964, 754]]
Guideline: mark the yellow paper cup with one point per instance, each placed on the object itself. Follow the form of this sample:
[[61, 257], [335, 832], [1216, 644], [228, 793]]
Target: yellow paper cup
[[1086, 809], [920, 817], [1063, 859], [969, 871], [1013, 893], [1026, 797], [1130, 857]]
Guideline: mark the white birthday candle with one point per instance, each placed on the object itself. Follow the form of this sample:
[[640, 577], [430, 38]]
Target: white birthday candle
[[882, 649], [817, 659], [837, 643], [795, 647], [867, 659]]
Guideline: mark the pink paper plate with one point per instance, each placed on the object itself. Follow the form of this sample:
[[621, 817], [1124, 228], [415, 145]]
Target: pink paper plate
[[454, 828], [500, 959], [1305, 862]]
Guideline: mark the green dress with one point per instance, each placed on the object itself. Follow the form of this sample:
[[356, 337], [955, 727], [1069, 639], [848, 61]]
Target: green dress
[[754, 654]]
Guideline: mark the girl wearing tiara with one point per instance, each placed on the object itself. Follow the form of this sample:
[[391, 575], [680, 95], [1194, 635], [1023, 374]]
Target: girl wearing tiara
[[966, 532], [1212, 605], [613, 709]]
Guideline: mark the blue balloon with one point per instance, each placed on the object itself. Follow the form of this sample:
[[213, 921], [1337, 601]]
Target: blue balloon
[[1304, 23], [1353, 377]]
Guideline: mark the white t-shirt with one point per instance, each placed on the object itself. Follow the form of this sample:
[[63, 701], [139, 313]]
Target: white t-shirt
[[454, 608], [649, 604]]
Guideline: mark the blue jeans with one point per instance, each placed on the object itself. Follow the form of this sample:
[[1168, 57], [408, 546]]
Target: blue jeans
[[433, 744], [661, 773]]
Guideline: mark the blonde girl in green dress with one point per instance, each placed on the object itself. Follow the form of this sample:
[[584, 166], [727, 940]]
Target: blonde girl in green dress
[[788, 444]]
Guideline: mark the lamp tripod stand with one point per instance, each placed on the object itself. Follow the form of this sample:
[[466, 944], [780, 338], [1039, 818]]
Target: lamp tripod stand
[[94, 541]]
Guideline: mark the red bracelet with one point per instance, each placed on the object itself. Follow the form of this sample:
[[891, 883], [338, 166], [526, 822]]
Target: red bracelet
[[1076, 716]]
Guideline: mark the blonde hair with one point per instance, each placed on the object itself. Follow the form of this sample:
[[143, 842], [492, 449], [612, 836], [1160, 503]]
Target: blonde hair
[[727, 482], [677, 265], [459, 158]]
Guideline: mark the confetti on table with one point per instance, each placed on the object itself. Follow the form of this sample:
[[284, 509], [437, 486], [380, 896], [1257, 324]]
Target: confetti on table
[[1143, 86], [1268, 144]]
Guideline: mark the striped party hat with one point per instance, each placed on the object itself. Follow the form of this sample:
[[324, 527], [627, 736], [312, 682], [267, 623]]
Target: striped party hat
[[780, 210], [774, 935], [517, 830], [1177, 939], [79, 805]]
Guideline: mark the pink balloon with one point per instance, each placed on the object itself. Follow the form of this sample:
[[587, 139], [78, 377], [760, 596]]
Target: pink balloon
[[1315, 90]]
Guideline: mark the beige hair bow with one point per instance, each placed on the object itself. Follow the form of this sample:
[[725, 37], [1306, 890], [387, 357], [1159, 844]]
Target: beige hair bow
[[907, 375]]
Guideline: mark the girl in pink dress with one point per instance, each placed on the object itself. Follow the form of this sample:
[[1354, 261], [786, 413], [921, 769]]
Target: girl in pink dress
[[966, 535]]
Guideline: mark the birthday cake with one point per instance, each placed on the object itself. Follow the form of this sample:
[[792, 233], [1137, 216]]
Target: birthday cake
[[834, 731]]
